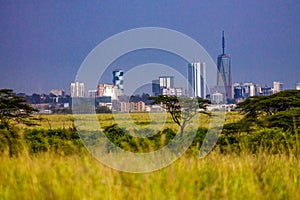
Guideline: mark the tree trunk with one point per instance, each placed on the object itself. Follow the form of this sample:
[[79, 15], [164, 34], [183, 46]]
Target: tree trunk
[[182, 129]]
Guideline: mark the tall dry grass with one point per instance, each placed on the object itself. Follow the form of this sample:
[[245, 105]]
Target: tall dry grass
[[218, 176]]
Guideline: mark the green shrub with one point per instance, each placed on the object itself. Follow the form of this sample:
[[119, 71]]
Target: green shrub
[[62, 141], [10, 141]]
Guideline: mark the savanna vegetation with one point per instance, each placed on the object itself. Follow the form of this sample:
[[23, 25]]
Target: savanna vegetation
[[256, 156]]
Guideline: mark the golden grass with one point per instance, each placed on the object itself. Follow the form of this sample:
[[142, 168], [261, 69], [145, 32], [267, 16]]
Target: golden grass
[[155, 121], [217, 176]]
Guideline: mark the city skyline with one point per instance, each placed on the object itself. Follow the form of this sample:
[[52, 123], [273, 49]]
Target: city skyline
[[44, 44]]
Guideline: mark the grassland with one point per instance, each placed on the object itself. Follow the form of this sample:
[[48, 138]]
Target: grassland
[[122, 119], [217, 176]]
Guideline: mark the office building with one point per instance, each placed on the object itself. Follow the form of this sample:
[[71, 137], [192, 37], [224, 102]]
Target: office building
[[156, 88], [57, 92], [297, 86], [266, 91], [77, 89], [92, 93], [217, 98], [118, 80], [172, 92], [277, 86], [242, 91], [108, 90], [166, 82], [131, 106], [197, 79], [224, 71]]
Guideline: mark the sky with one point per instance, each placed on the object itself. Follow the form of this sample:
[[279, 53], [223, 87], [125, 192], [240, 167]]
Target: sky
[[43, 43]]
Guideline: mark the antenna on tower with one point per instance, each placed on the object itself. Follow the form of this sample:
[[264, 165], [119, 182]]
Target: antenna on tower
[[223, 42], [193, 57]]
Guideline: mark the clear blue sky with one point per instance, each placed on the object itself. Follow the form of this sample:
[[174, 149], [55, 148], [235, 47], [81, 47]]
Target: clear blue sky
[[43, 43]]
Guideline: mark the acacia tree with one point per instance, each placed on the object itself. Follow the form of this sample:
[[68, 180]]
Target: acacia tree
[[14, 109], [259, 106], [182, 110], [278, 110]]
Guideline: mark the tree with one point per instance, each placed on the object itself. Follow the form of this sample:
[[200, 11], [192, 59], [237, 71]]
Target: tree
[[182, 110], [14, 109], [287, 120], [278, 110], [258, 106]]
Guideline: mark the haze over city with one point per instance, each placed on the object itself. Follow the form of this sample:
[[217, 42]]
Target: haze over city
[[44, 43]]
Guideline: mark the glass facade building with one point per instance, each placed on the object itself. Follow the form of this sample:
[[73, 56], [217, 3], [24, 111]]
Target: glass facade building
[[224, 71], [197, 79]]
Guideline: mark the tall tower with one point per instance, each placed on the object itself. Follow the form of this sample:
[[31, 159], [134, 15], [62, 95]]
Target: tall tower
[[224, 71], [197, 79], [118, 79]]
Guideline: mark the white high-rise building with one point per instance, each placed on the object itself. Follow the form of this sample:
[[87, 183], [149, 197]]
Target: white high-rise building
[[166, 81], [77, 89], [297, 86], [277, 86], [197, 79]]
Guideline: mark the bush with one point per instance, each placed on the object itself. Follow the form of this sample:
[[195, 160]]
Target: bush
[[120, 138], [10, 141], [63, 141], [271, 140]]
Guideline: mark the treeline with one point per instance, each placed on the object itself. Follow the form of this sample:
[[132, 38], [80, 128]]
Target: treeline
[[68, 142], [269, 124]]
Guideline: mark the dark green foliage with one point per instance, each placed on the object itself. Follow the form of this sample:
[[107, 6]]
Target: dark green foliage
[[116, 135], [10, 141], [62, 141], [103, 109], [287, 120], [243, 126], [14, 109], [255, 107], [36, 140], [230, 143], [271, 140], [120, 138], [200, 135], [169, 133], [280, 110]]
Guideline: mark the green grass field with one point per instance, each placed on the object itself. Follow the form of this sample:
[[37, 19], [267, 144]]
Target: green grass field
[[217, 176], [140, 119]]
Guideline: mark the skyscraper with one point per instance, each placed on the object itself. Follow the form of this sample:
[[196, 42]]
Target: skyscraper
[[166, 81], [277, 86], [197, 79], [155, 88], [118, 80], [77, 89], [224, 71]]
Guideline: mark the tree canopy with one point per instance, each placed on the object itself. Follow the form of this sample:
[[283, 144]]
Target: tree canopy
[[14, 109], [182, 110], [281, 109], [258, 106]]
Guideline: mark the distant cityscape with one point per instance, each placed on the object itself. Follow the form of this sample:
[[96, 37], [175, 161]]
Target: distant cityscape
[[111, 95]]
